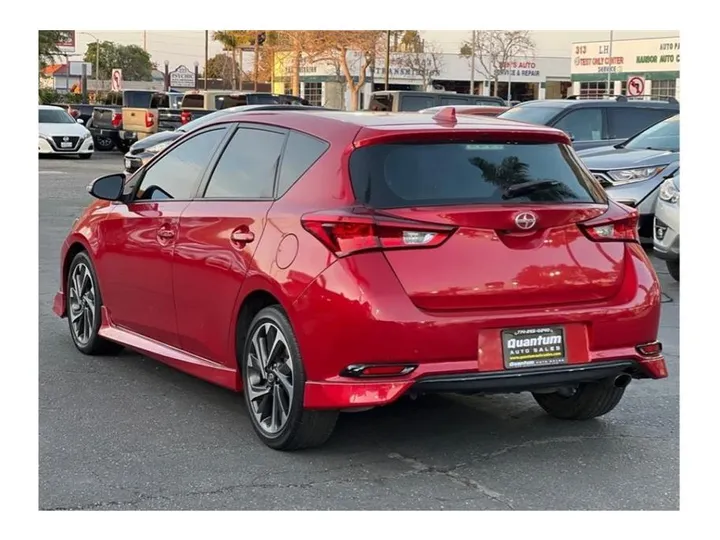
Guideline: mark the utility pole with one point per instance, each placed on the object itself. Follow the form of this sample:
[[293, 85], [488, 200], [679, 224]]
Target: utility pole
[[205, 72], [387, 63], [472, 63], [257, 55], [145, 40], [610, 60]]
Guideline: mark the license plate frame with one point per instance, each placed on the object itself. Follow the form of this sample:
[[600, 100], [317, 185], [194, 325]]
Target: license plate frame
[[534, 347], [66, 145]]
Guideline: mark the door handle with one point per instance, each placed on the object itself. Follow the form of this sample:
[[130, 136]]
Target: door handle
[[242, 236]]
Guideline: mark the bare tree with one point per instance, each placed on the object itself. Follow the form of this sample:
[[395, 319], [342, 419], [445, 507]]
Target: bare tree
[[494, 49], [425, 65]]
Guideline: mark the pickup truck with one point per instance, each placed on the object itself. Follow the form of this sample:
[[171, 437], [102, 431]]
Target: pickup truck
[[198, 103], [408, 100], [132, 114]]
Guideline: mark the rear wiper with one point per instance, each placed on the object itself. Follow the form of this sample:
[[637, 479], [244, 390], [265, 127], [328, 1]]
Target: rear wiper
[[527, 187]]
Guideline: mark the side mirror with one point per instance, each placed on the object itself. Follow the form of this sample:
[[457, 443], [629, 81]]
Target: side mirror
[[80, 121], [108, 188]]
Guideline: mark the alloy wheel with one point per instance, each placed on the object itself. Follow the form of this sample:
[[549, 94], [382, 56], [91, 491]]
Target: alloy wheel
[[82, 303], [270, 378]]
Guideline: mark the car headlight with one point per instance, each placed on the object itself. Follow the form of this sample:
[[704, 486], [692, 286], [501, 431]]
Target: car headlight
[[629, 176], [86, 135], [159, 147], [669, 191]]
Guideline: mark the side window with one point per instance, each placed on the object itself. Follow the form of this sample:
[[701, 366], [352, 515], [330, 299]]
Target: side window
[[176, 174], [624, 122], [246, 169], [582, 124], [416, 103], [300, 154], [453, 101]]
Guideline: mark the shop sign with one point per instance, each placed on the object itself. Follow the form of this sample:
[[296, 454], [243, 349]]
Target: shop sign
[[631, 55], [518, 70]]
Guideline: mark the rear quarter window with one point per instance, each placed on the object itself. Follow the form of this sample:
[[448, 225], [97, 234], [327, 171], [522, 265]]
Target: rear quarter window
[[416, 103], [193, 101], [460, 173], [301, 152]]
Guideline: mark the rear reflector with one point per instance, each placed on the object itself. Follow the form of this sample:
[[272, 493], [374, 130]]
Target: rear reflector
[[650, 349], [382, 370], [348, 231]]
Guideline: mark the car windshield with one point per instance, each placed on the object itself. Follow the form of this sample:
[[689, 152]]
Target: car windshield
[[664, 135], [404, 175], [531, 114], [55, 116]]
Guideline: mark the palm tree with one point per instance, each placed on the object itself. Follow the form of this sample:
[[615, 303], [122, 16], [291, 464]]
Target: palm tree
[[233, 41]]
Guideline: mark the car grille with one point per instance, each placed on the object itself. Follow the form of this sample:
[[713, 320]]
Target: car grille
[[60, 140], [603, 179]]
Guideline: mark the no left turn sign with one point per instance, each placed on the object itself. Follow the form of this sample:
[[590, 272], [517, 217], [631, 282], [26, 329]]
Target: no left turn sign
[[636, 86]]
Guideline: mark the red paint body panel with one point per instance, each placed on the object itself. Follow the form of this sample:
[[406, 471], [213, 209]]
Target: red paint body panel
[[177, 297]]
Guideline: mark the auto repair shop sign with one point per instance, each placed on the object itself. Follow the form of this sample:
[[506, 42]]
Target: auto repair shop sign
[[629, 55]]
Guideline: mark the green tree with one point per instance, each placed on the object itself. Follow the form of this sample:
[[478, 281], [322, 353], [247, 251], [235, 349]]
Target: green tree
[[133, 60], [47, 46], [221, 67]]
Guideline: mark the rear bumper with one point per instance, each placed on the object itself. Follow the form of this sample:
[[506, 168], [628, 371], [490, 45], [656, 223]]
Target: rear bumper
[[357, 394]]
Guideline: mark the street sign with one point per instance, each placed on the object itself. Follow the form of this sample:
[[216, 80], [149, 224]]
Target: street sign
[[182, 77], [635, 86], [116, 80], [66, 44]]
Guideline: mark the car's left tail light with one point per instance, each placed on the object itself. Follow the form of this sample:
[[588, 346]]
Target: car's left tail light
[[622, 229], [345, 232]]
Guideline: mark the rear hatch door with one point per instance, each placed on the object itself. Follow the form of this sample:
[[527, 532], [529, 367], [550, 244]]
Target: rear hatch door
[[511, 247]]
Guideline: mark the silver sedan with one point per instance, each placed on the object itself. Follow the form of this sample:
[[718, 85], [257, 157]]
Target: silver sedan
[[666, 225]]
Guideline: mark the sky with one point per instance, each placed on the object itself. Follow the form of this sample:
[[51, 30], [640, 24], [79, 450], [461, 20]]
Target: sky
[[187, 47]]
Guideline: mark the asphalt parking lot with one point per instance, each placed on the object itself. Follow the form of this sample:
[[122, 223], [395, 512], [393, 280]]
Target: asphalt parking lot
[[128, 433]]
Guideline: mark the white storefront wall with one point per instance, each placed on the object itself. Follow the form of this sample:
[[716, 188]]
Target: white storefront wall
[[656, 59]]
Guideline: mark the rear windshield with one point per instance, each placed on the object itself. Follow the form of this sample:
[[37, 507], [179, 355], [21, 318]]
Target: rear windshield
[[225, 102], [531, 115], [138, 100], [410, 175], [193, 101]]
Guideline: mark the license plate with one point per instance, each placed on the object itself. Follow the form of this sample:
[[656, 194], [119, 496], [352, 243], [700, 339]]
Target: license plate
[[533, 347], [65, 145]]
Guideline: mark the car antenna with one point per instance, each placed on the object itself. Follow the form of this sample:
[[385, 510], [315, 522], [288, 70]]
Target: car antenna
[[446, 116]]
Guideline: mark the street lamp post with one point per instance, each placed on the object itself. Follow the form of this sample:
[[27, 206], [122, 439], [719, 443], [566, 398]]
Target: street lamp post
[[97, 59], [167, 75], [197, 70]]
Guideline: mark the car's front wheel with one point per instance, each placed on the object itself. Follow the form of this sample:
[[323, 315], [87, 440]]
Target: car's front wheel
[[586, 401], [83, 308], [274, 382]]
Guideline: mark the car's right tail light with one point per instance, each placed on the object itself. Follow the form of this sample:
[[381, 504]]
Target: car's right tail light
[[149, 119], [116, 119], [345, 232], [616, 229], [185, 117]]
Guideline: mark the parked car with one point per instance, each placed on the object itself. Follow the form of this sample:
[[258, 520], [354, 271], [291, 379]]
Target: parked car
[[60, 133], [84, 112], [144, 150], [198, 103], [666, 241], [594, 122], [262, 250], [476, 110], [412, 101], [632, 171]]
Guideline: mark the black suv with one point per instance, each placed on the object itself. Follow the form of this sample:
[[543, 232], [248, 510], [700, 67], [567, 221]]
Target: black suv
[[595, 122]]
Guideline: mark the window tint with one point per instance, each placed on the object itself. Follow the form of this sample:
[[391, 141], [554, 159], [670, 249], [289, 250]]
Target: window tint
[[137, 99], [194, 101], [300, 153], [582, 124], [225, 102], [54, 116], [160, 101], [664, 135], [453, 101], [416, 103], [177, 173], [624, 122], [408, 175], [531, 114], [246, 169]]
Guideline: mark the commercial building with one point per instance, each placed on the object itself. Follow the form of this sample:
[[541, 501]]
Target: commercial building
[[656, 62], [323, 82]]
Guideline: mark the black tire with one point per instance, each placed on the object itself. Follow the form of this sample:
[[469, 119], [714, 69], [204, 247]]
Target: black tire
[[85, 156], [590, 400], [104, 144], [303, 428], [95, 345], [674, 269]]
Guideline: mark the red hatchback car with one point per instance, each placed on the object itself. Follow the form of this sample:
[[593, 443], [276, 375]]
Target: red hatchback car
[[326, 261]]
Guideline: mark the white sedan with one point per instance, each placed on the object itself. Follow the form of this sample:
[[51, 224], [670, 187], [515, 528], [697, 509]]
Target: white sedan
[[61, 134]]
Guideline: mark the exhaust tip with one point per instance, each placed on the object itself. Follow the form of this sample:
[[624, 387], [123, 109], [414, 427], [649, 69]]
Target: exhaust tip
[[622, 380]]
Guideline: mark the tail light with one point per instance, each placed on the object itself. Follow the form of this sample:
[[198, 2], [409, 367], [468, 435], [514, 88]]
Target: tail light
[[116, 119], [620, 228], [73, 112], [346, 232], [185, 117], [650, 349], [149, 119]]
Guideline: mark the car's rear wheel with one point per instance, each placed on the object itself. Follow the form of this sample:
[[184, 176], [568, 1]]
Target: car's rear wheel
[[674, 269], [83, 308], [588, 400], [274, 383]]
